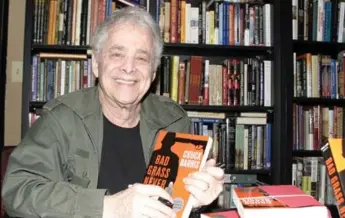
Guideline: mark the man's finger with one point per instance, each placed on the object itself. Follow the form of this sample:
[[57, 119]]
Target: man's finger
[[161, 208], [210, 163], [216, 172], [200, 184], [201, 197], [203, 176], [153, 191]]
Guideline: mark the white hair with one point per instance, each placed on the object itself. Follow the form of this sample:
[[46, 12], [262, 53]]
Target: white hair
[[135, 15]]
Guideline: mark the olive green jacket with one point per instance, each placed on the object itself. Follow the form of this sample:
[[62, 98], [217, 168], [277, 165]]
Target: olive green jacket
[[54, 170]]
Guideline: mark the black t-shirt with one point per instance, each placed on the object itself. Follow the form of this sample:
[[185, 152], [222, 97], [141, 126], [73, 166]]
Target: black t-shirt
[[122, 159]]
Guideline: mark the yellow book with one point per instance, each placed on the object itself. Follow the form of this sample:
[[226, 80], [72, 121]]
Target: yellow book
[[183, 21], [174, 78]]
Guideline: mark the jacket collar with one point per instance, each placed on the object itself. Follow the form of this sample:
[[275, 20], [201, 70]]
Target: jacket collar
[[154, 115]]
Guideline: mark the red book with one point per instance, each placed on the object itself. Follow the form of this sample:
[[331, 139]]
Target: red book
[[223, 214], [283, 201]]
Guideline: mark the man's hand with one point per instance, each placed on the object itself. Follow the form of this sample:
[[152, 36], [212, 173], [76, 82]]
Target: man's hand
[[139, 200], [206, 185]]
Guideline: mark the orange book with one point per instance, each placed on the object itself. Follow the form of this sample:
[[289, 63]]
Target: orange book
[[333, 153], [174, 156]]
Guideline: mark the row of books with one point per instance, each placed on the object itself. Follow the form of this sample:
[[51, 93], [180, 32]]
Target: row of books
[[68, 22], [313, 125], [224, 23], [58, 74], [187, 80], [72, 22], [318, 20], [232, 82], [310, 174], [317, 75], [242, 141]]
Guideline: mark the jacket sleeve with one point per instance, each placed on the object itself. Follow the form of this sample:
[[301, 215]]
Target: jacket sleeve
[[34, 185], [186, 127]]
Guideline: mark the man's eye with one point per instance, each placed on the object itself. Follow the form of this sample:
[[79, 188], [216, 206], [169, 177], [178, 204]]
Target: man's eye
[[116, 54], [142, 59]]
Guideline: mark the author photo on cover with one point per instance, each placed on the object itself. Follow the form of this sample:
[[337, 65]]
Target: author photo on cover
[[86, 156]]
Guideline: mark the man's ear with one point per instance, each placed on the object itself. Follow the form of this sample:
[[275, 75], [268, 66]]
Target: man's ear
[[154, 76], [95, 65]]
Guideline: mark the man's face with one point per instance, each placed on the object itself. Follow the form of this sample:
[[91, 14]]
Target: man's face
[[125, 64]]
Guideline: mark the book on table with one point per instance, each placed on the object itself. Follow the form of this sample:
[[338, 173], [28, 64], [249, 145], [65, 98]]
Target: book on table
[[283, 201]]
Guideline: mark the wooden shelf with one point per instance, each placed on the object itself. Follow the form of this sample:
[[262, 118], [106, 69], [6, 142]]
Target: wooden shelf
[[306, 153], [216, 50], [175, 49], [210, 108], [36, 48], [319, 101], [249, 172], [39, 104], [326, 48]]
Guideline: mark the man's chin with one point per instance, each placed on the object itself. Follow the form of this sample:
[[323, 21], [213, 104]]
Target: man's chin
[[127, 102]]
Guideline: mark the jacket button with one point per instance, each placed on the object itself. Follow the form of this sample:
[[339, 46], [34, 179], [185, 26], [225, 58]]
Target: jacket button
[[84, 174]]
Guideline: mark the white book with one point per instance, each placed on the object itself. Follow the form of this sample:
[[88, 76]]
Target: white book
[[194, 25], [268, 24], [268, 83]]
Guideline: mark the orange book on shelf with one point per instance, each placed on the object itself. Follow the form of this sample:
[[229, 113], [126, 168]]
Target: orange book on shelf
[[174, 156]]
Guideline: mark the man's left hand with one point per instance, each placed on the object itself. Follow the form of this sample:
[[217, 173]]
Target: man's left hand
[[206, 185]]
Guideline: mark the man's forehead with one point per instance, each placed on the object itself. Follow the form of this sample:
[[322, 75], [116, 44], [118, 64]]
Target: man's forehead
[[128, 27], [121, 47]]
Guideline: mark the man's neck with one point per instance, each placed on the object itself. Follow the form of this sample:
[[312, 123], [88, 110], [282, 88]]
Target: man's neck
[[123, 116]]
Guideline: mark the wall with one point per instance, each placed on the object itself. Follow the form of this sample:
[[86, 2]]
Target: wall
[[13, 97]]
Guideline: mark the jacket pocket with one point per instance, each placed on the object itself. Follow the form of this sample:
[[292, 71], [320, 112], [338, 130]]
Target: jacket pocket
[[72, 178]]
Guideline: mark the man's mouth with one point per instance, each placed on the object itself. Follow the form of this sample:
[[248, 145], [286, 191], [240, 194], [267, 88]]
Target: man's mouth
[[125, 81]]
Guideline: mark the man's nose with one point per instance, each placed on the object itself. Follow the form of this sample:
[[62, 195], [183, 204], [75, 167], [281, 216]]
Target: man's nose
[[128, 64]]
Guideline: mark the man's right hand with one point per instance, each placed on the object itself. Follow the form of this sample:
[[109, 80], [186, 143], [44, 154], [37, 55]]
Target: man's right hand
[[139, 200]]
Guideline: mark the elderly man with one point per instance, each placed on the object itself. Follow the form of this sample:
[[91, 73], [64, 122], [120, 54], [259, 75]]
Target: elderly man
[[86, 156]]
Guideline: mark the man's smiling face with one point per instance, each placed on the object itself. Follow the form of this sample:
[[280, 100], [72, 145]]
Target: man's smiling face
[[125, 63]]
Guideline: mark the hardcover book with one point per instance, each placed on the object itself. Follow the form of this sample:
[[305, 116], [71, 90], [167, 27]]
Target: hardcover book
[[174, 156], [283, 201], [222, 214], [333, 153]]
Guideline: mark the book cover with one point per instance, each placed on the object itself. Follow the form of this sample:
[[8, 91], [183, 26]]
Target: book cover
[[333, 153], [174, 156]]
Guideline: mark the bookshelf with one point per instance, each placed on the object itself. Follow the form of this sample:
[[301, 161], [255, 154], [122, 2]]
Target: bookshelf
[[317, 99], [279, 52], [3, 54]]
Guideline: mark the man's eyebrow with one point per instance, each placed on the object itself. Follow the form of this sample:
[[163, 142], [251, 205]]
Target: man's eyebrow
[[116, 47], [143, 51]]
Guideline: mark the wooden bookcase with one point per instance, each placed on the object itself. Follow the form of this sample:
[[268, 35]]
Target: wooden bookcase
[[324, 45]]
